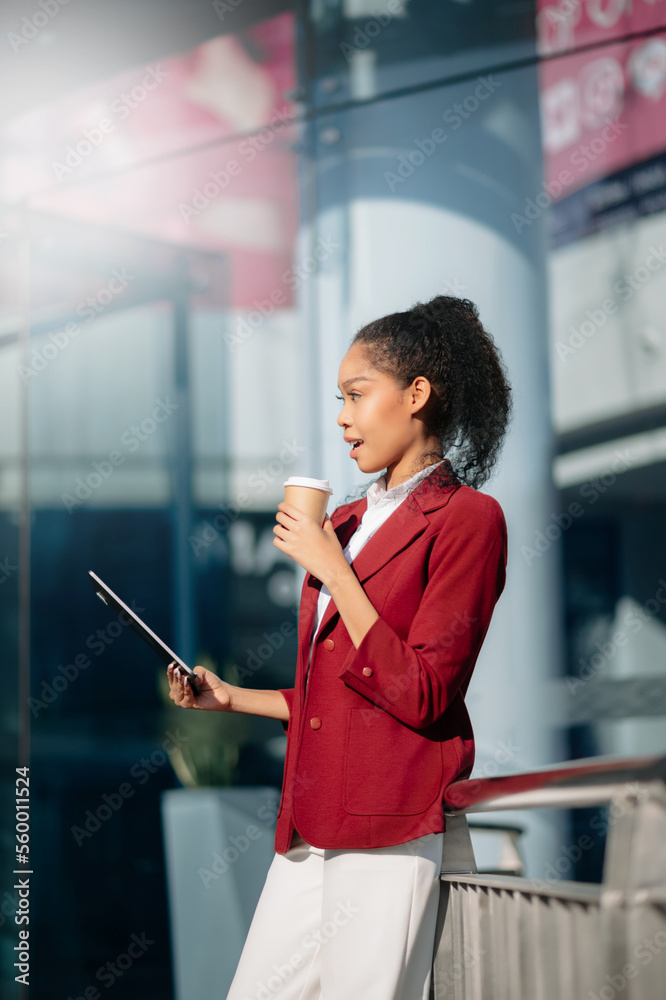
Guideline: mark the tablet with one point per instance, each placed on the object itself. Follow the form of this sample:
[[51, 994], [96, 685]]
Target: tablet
[[129, 617]]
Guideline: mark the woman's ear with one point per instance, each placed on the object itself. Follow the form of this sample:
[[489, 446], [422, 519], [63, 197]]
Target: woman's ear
[[420, 391]]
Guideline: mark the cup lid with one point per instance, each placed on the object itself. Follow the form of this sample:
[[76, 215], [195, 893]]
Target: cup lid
[[314, 484]]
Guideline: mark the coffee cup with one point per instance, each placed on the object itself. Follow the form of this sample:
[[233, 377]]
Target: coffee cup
[[309, 495]]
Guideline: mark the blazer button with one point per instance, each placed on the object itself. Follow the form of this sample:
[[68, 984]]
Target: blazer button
[[329, 644], [367, 671], [315, 723]]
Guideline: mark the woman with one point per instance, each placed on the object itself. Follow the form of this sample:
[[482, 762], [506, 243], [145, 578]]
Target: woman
[[399, 592]]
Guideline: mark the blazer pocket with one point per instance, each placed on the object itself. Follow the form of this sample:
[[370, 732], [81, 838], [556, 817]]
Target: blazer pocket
[[389, 769]]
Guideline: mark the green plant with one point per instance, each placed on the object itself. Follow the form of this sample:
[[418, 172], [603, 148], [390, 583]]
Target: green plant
[[210, 750]]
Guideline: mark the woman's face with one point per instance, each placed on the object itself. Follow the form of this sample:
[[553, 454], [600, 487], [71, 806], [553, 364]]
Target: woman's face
[[381, 415]]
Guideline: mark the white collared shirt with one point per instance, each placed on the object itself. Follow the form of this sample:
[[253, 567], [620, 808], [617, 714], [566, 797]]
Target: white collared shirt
[[381, 504]]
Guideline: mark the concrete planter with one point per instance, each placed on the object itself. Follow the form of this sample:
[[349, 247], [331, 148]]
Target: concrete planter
[[218, 846]]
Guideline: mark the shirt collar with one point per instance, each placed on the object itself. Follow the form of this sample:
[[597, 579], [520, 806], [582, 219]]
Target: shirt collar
[[377, 492]]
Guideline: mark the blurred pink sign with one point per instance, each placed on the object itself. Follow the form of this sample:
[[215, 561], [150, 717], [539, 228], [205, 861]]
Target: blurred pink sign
[[564, 25], [602, 110]]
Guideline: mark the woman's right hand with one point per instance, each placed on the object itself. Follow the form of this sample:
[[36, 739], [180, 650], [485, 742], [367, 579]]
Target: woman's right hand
[[214, 696]]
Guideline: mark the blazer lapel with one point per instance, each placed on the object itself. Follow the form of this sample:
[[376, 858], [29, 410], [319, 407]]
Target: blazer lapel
[[399, 530], [344, 525]]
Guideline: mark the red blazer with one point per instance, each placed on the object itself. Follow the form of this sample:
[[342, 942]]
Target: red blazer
[[380, 731]]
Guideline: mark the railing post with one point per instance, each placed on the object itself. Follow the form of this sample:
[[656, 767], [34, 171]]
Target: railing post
[[458, 853], [448, 973], [633, 898], [513, 938]]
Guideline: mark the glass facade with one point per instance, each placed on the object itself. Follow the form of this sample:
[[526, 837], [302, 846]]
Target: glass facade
[[603, 98], [149, 336]]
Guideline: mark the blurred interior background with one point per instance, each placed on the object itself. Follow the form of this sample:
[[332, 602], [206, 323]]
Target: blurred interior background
[[200, 204]]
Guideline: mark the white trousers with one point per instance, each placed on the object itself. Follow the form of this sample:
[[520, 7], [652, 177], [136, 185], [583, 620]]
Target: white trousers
[[344, 925]]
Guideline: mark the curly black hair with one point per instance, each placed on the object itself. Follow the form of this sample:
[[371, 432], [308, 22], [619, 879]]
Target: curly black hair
[[469, 407]]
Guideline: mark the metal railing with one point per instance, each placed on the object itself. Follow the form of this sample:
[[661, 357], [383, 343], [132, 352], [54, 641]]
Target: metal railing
[[502, 937]]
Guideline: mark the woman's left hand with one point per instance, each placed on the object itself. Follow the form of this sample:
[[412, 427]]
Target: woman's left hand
[[315, 548]]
